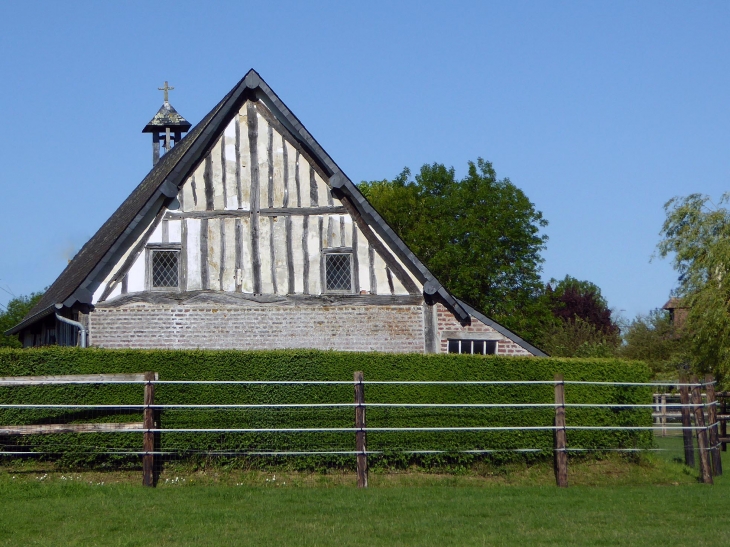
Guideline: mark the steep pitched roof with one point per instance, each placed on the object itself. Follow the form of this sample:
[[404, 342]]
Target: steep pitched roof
[[165, 178]]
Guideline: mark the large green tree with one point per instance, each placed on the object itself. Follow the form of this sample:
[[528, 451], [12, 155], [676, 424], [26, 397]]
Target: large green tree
[[479, 235], [12, 314], [696, 235]]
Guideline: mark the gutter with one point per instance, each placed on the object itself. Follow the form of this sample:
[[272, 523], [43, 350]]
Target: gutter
[[74, 324]]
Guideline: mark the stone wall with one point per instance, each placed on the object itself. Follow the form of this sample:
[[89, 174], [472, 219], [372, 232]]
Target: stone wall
[[386, 328]]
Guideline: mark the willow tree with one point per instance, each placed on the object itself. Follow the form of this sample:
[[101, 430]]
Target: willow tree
[[696, 236]]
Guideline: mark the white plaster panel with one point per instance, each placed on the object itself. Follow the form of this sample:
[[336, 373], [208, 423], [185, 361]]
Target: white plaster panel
[[245, 159], [193, 254], [214, 253], [313, 244], [267, 284], [282, 274], [304, 181], [363, 261], [298, 253], [263, 152], [229, 136], [136, 274], [247, 277], [173, 231], [229, 265], [278, 156]]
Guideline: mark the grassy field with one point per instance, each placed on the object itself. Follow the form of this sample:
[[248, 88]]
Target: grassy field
[[609, 502]]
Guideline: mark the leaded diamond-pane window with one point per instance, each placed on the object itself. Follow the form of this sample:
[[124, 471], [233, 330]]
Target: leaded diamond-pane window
[[338, 271], [164, 269]]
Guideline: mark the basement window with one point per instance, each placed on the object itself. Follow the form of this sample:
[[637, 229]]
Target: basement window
[[164, 268], [477, 347], [338, 272]]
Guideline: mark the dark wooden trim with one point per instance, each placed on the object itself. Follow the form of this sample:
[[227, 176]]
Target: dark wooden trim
[[276, 124], [389, 275], [183, 255], [297, 182], [131, 259], [330, 231], [313, 190], [289, 256], [163, 245], [204, 274], [276, 211], [343, 237], [268, 212], [320, 224], [371, 268], [239, 258], [253, 135], [208, 180], [305, 251], [224, 169], [125, 284], [194, 189], [272, 252], [355, 261], [222, 261], [285, 159], [205, 298], [239, 188], [432, 343], [270, 161], [381, 249]]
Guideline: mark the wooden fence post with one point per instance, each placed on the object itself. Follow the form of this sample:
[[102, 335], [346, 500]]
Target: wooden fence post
[[560, 455], [712, 418], [689, 449], [723, 423], [705, 470], [664, 414], [360, 440], [148, 460]]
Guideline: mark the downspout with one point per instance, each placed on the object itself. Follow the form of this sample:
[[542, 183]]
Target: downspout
[[81, 328]]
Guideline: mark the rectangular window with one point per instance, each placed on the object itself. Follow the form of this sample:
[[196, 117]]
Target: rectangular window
[[165, 269], [476, 347], [338, 272]]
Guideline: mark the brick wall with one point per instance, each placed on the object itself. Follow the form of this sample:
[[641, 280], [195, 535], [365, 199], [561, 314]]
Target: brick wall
[[394, 328], [447, 322]]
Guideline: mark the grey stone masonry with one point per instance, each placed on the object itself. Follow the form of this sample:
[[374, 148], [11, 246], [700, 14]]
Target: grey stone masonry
[[392, 328]]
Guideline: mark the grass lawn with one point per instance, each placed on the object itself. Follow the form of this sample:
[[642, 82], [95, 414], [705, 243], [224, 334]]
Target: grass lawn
[[609, 502]]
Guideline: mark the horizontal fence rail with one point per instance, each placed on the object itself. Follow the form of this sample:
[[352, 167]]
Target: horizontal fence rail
[[696, 406]]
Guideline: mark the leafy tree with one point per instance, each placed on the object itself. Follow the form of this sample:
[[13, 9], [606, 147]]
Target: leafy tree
[[696, 234], [577, 338], [654, 339], [480, 236], [571, 299], [13, 314], [581, 323]]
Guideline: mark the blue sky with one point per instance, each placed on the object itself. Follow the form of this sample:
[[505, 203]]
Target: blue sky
[[599, 111]]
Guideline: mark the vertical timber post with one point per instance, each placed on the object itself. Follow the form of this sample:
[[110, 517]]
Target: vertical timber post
[[148, 460], [360, 440], [705, 470], [689, 449], [712, 418], [560, 455], [664, 414], [723, 422]]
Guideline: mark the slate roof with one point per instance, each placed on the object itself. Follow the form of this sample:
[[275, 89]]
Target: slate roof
[[167, 116], [170, 173]]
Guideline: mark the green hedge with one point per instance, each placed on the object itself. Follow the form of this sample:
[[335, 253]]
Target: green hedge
[[318, 365]]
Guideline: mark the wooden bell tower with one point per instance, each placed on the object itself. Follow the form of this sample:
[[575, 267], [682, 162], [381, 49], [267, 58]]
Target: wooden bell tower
[[167, 127]]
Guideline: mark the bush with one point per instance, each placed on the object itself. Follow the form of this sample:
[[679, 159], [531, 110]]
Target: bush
[[318, 365]]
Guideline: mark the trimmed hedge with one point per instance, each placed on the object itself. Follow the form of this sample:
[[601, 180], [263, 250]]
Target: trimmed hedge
[[79, 449]]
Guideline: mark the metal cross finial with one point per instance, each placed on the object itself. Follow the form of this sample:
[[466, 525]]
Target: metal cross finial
[[166, 89]]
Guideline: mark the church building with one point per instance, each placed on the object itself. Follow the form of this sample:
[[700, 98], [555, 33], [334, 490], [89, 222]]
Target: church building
[[247, 235]]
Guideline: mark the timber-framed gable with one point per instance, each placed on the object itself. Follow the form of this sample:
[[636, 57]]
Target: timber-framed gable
[[246, 234]]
